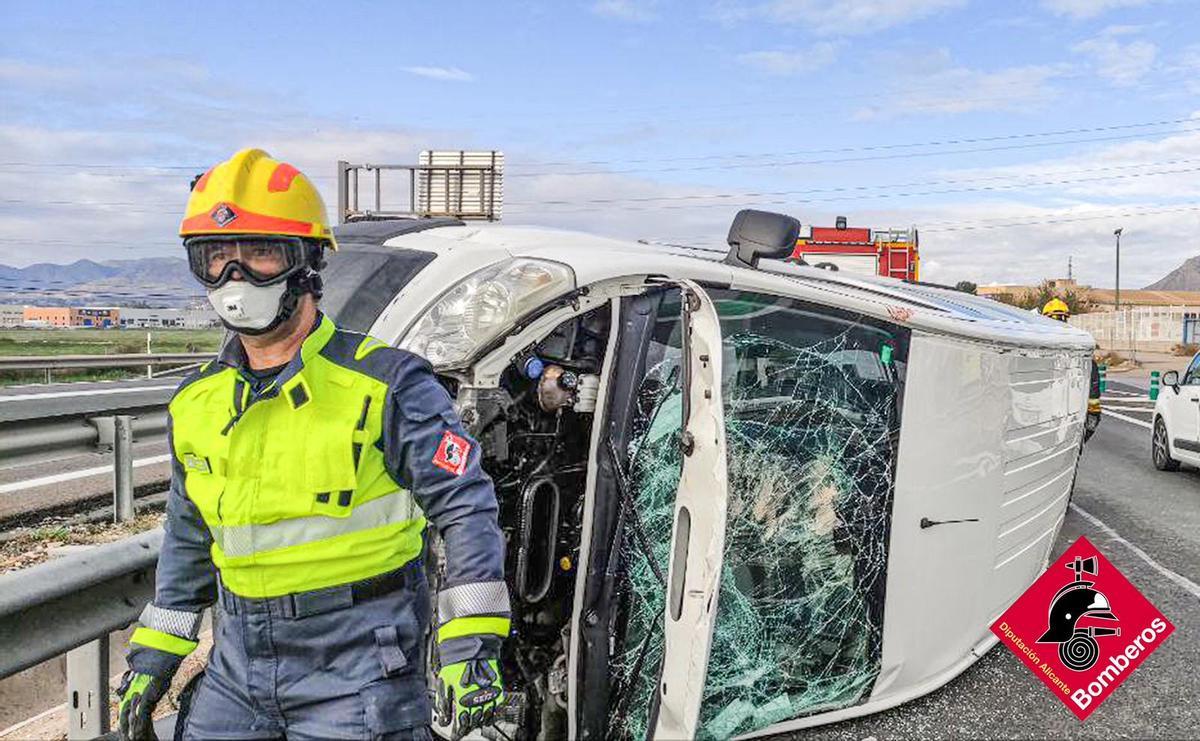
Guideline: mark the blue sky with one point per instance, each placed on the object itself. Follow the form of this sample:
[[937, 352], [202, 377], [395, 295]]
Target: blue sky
[[937, 113]]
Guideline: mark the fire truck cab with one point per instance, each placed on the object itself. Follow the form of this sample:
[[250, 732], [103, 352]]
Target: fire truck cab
[[891, 253]]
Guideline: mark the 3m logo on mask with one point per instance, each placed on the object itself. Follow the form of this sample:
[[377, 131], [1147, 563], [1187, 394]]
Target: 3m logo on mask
[[223, 215], [234, 307], [1098, 625]]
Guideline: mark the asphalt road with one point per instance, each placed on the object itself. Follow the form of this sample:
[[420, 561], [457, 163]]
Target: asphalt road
[[55, 485], [1139, 507], [36, 401]]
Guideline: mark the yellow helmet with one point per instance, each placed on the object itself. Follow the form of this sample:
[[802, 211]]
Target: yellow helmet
[[250, 193], [1056, 308]]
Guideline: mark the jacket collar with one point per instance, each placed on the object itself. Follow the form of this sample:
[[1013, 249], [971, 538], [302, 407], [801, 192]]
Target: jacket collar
[[233, 354]]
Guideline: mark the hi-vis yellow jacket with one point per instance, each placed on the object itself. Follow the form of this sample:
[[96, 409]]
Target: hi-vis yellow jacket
[[324, 477]]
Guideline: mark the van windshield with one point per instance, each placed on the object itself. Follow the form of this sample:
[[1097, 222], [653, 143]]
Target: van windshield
[[360, 283]]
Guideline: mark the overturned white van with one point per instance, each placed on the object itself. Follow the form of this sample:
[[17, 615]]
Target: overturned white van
[[740, 497]]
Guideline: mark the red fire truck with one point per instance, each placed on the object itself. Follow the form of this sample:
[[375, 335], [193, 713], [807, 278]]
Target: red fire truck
[[891, 252]]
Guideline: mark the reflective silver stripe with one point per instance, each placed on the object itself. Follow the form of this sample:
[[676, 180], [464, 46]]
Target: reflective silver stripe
[[179, 623], [246, 540], [477, 598]]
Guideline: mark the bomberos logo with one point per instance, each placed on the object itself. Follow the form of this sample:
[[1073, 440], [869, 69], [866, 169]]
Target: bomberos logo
[[1099, 625]]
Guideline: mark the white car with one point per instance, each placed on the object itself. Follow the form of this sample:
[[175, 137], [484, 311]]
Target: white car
[[1177, 419], [740, 497]]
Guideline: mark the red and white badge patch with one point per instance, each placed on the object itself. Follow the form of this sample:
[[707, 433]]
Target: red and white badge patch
[[452, 453]]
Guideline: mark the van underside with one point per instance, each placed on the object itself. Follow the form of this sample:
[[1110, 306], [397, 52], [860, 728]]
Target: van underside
[[812, 449]]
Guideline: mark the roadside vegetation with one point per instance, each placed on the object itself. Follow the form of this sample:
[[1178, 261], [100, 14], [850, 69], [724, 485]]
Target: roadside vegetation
[[1076, 300], [27, 547], [97, 342]]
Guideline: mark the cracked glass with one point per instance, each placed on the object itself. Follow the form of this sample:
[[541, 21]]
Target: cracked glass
[[811, 406]]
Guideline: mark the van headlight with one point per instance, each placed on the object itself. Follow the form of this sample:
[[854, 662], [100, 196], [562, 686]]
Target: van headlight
[[487, 303]]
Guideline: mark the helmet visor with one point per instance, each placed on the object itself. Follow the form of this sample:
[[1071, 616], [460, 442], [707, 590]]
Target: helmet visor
[[260, 261]]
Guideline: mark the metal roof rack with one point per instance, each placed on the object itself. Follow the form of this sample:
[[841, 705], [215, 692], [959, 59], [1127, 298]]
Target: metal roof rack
[[455, 184]]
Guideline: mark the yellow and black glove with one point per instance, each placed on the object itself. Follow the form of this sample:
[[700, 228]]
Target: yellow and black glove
[[154, 657], [470, 695], [139, 695]]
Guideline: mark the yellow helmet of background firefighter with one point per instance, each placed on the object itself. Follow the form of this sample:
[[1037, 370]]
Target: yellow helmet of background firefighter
[[250, 193], [1056, 308]]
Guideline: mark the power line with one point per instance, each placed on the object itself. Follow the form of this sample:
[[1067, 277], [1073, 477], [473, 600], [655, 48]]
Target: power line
[[839, 150], [156, 170], [837, 199], [1090, 217], [843, 160], [1023, 181]]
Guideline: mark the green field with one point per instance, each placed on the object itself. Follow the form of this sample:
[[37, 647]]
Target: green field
[[98, 342]]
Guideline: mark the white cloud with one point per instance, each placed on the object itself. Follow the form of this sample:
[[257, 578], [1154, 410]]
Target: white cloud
[[1162, 169], [791, 63], [451, 74], [1080, 9], [17, 72], [934, 84], [836, 17], [1122, 64], [639, 11]]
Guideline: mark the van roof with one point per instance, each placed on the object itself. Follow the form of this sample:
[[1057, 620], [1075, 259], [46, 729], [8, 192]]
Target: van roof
[[595, 258]]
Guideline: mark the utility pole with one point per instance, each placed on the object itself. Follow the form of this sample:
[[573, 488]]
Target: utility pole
[[1070, 274], [1117, 233]]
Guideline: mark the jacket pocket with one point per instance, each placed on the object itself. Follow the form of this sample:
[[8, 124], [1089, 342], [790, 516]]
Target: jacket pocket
[[329, 469]]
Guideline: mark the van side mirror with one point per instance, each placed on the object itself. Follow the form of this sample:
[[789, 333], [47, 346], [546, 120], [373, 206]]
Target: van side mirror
[[1171, 378], [754, 235]]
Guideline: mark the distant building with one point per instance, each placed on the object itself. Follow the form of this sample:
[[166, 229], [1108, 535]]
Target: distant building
[[70, 316], [11, 315], [168, 318], [139, 318], [202, 318]]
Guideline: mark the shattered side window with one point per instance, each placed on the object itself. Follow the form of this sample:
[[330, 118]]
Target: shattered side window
[[655, 465], [811, 415], [811, 419]]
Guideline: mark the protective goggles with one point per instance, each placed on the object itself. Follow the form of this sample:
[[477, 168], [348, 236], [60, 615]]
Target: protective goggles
[[260, 261]]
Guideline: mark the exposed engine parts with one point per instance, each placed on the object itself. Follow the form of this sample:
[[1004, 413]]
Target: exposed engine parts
[[534, 431]]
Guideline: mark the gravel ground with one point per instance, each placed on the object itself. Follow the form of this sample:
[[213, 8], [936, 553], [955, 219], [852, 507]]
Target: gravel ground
[[31, 546]]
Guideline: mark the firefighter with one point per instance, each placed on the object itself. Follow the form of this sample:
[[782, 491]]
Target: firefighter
[[1057, 309], [306, 460]]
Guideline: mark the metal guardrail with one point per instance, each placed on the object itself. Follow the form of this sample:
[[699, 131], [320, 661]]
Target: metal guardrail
[[31, 441], [49, 609], [122, 360], [70, 605]]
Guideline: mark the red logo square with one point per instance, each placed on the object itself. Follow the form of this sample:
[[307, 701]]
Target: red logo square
[[452, 453], [1082, 628]]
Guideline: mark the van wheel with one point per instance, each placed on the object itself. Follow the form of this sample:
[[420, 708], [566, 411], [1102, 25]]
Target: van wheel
[[1161, 450]]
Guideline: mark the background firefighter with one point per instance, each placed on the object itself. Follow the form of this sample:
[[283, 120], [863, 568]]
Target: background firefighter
[[1057, 309], [306, 460]]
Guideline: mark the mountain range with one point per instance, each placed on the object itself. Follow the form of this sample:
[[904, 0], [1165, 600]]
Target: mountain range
[[146, 282], [1186, 277]]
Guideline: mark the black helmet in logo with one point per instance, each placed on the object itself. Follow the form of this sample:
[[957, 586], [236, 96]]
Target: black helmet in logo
[[1077, 646]]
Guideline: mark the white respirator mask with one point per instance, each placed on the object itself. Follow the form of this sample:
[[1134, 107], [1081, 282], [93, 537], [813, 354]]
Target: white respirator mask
[[248, 308]]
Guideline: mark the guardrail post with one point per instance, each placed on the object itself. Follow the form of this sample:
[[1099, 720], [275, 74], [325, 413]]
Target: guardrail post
[[122, 468], [87, 690]]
